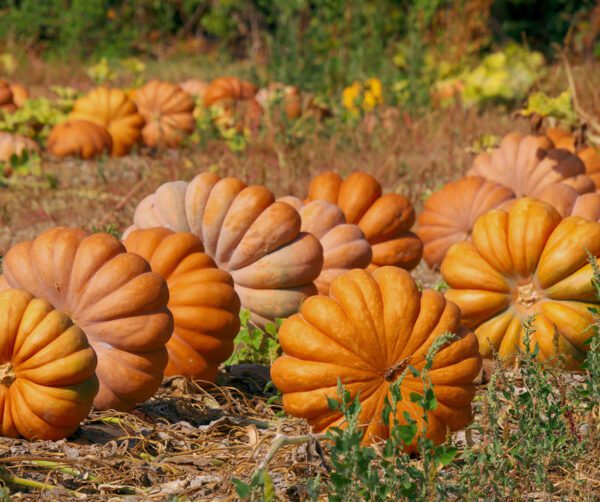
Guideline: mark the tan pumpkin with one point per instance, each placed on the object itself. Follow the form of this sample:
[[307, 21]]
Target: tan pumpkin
[[344, 245], [366, 333], [588, 154], [20, 94], [521, 263], [202, 300], [167, 111], [568, 202], [384, 219], [195, 87], [449, 214], [112, 295], [7, 103], [47, 369], [248, 234], [111, 108], [15, 144], [527, 164], [79, 138]]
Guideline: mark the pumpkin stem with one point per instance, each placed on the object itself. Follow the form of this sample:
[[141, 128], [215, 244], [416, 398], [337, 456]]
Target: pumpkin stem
[[527, 295], [7, 374], [393, 371]]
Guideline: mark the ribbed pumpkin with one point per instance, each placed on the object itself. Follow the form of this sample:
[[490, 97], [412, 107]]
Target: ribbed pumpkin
[[367, 332], [195, 87], [7, 103], [524, 262], [568, 202], [384, 219], [526, 164], [47, 369], [112, 295], [167, 111], [344, 244], [449, 214], [588, 155], [202, 300], [225, 90], [111, 108], [234, 101], [15, 144], [248, 234], [80, 138]]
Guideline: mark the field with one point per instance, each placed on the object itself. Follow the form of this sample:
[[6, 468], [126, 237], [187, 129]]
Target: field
[[535, 434]]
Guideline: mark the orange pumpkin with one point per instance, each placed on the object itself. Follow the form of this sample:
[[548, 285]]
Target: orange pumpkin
[[202, 300], [288, 97], [47, 370], [588, 154], [80, 138], [384, 219], [14, 144], [167, 111], [195, 87], [226, 90], [7, 103], [233, 100], [367, 332], [568, 202], [526, 262], [248, 234], [112, 295], [111, 108], [20, 94], [449, 214], [527, 164], [344, 245]]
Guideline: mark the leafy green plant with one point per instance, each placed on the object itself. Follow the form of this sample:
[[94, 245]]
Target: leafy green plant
[[111, 229], [24, 165], [558, 109], [35, 119], [253, 345]]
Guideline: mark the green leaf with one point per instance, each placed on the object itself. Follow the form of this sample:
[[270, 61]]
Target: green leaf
[[243, 490], [444, 455], [268, 487]]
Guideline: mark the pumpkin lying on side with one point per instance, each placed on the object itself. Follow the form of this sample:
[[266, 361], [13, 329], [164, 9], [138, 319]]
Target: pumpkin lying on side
[[167, 111], [521, 263], [202, 300], [449, 214], [366, 333], [7, 103], [384, 219], [527, 164], [234, 103], [112, 295], [588, 154], [79, 138], [47, 370], [226, 90], [111, 108], [568, 202], [344, 245], [15, 144], [248, 234], [195, 87]]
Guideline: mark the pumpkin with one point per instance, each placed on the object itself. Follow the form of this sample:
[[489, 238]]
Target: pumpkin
[[15, 144], [167, 111], [524, 262], [568, 202], [225, 90], [202, 300], [588, 155], [111, 108], [344, 245], [366, 333], [80, 138], [384, 219], [248, 234], [526, 164], [112, 295], [20, 94], [449, 214], [7, 103], [195, 87], [288, 96], [47, 369]]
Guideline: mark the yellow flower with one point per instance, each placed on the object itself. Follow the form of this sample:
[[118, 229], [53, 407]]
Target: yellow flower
[[351, 95], [373, 94]]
